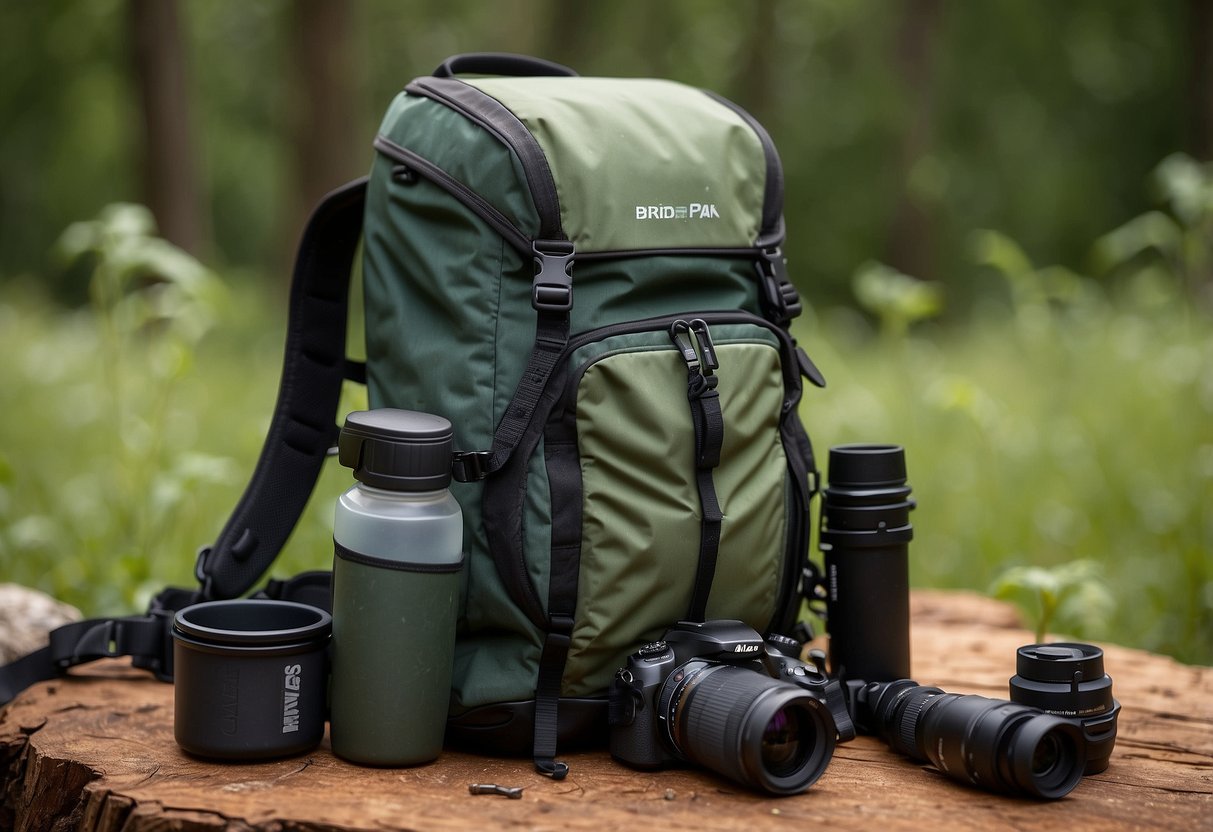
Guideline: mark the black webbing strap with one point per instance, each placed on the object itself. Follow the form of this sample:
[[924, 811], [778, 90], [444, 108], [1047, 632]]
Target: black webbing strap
[[145, 638], [552, 298], [564, 477], [708, 423], [547, 696], [85, 641], [303, 426], [709, 436]]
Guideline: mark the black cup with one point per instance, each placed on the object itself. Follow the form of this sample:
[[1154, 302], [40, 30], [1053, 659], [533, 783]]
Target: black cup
[[250, 678]]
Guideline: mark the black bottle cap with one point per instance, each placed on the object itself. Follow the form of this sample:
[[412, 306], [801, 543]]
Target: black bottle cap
[[397, 450], [867, 466]]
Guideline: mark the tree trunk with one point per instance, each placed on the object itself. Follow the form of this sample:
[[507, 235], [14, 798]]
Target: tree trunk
[[169, 161], [910, 244], [324, 131], [1200, 78]]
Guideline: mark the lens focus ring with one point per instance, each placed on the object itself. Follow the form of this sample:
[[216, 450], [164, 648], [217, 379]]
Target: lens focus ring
[[905, 738]]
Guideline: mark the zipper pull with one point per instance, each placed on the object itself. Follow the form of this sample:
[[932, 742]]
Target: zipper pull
[[701, 363], [706, 348], [680, 334]]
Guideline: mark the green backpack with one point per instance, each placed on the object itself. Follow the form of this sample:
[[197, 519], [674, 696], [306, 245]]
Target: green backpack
[[584, 276]]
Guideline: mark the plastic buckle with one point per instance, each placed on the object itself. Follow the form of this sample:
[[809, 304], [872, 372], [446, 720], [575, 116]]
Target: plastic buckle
[[778, 294], [97, 642], [470, 466], [160, 664], [552, 288]]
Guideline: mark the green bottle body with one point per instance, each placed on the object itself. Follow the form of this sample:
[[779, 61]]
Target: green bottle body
[[396, 584]]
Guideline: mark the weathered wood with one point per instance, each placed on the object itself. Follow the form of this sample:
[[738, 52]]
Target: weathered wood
[[97, 754]]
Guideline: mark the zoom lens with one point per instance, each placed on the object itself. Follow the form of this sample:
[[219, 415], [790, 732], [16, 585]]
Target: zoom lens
[[991, 743], [753, 729]]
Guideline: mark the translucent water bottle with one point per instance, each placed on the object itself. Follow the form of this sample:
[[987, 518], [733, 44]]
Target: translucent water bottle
[[398, 538]]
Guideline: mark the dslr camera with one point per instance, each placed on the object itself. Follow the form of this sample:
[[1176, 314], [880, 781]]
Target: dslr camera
[[716, 694]]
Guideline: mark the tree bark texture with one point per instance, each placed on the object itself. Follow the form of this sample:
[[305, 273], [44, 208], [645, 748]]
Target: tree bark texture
[[97, 754], [169, 161]]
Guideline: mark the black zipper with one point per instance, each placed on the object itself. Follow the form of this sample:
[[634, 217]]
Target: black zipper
[[486, 111], [477, 204]]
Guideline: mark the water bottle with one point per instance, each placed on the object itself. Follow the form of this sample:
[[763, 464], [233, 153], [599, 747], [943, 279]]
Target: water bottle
[[398, 538]]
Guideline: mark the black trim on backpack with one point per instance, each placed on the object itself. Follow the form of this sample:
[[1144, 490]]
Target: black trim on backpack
[[473, 201], [481, 108], [302, 428], [772, 203]]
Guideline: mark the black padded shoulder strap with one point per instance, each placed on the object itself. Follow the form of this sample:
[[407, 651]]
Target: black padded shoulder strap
[[301, 432], [303, 427]]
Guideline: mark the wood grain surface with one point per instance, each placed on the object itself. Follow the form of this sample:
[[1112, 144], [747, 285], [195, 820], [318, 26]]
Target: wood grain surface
[[95, 752]]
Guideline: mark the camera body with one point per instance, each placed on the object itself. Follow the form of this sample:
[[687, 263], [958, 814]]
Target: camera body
[[643, 706]]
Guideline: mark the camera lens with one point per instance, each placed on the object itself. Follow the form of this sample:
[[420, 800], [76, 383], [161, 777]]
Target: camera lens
[[753, 729], [991, 743], [782, 750], [1067, 679], [1046, 757]]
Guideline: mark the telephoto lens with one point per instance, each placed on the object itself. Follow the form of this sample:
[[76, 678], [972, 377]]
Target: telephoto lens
[[865, 533], [765, 734], [989, 743], [1068, 680]]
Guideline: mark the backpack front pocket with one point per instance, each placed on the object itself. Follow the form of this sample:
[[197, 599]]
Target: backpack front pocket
[[679, 483]]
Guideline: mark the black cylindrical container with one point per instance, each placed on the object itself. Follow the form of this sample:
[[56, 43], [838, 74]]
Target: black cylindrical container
[[250, 678], [865, 532]]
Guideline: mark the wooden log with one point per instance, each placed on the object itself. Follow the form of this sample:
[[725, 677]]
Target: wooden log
[[96, 753]]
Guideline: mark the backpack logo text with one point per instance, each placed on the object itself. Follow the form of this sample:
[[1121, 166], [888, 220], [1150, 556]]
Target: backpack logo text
[[290, 698], [693, 211]]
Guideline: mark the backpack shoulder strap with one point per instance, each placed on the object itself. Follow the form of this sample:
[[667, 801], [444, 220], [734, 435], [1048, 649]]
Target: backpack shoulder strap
[[303, 426], [301, 431]]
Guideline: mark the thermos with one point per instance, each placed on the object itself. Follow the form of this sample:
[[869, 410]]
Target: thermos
[[398, 540]]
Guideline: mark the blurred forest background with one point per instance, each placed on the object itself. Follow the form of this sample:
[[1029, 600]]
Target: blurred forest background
[[1000, 214]]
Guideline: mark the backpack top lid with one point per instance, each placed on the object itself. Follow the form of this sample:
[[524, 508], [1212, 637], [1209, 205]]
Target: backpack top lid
[[637, 164]]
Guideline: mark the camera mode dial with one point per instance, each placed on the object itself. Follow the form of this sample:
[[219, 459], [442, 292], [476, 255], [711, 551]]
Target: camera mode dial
[[653, 650]]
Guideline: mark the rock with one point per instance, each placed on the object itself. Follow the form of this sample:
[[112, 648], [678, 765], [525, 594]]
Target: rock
[[26, 617]]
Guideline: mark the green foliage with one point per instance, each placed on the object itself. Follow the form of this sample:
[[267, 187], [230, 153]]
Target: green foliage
[[896, 299], [131, 427], [1071, 596], [1071, 422]]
